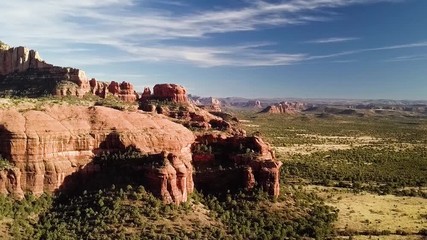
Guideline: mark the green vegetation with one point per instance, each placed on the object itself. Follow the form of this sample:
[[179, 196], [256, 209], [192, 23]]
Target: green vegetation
[[379, 154], [5, 164], [364, 168], [18, 218], [133, 213], [252, 215]]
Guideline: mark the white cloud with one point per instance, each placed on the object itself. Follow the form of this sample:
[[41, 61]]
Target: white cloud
[[139, 33], [333, 40]]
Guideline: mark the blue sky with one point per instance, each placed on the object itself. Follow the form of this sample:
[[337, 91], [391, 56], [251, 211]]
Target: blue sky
[[250, 48]]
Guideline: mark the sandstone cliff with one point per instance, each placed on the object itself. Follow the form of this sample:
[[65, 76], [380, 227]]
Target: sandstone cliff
[[47, 146]]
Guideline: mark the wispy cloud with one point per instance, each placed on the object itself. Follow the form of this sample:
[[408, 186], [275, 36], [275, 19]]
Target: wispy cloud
[[356, 51], [137, 33], [407, 58], [333, 40]]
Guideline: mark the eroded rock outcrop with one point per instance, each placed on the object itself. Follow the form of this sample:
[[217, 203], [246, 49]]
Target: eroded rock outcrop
[[48, 146], [20, 59], [24, 73], [244, 162], [123, 91], [172, 101], [166, 92]]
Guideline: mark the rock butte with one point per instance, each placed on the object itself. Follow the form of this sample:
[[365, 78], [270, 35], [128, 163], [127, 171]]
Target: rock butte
[[166, 92]]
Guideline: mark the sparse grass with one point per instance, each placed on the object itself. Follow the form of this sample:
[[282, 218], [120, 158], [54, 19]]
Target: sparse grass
[[378, 154], [366, 212]]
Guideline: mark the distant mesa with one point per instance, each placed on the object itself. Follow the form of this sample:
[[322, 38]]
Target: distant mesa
[[256, 104], [24, 73], [209, 103], [285, 108]]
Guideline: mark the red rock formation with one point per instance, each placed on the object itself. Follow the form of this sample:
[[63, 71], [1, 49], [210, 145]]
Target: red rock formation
[[10, 182], [20, 59], [260, 165], [170, 92], [123, 91], [98, 88], [175, 179], [23, 72], [146, 94], [48, 146]]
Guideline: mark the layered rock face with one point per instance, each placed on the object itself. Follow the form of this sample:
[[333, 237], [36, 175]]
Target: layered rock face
[[48, 146], [20, 59], [24, 73], [285, 108], [123, 91], [249, 160]]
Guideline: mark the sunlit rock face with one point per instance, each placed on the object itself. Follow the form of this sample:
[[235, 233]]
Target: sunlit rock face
[[48, 146]]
